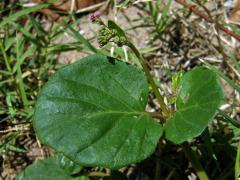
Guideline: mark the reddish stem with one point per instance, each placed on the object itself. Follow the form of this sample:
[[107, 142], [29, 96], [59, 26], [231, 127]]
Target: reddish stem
[[206, 18]]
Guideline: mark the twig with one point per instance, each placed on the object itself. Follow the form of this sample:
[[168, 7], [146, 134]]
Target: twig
[[15, 129], [97, 174], [73, 5], [206, 18], [90, 8], [41, 149], [220, 46]]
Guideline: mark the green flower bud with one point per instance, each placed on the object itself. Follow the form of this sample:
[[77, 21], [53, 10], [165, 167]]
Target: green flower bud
[[106, 35]]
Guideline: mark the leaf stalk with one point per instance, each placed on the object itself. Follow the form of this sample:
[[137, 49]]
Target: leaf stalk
[[158, 95]]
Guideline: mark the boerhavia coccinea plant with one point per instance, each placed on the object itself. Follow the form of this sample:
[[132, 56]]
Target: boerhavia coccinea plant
[[94, 110]]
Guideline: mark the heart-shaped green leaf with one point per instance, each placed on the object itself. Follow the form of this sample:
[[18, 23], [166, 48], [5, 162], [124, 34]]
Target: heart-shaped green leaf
[[93, 111], [199, 97], [56, 167]]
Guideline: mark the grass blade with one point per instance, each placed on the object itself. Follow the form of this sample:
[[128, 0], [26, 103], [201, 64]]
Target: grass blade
[[234, 60], [81, 39], [237, 167], [229, 81], [229, 119], [22, 13]]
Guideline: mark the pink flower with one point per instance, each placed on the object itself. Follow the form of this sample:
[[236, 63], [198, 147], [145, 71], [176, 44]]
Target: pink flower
[[94, 16]]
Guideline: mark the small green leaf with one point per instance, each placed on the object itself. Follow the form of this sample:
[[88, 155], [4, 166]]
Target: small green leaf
[[176, 80], [57, 167], [22, 13], [93, 111], [199, 97], [67, 165]]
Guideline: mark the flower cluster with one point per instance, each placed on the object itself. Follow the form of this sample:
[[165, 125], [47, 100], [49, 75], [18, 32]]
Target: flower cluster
[[107, 34], [94, 17]]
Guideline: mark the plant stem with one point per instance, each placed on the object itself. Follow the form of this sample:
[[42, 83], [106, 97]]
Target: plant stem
[[151, 80], [192, 157], [96, 174], [20, 82], [166, 111], [5, 58], [237, 163], [158, 160]]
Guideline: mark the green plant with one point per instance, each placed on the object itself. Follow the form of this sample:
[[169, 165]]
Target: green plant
[[28, 55], [21, 66], [93, 111]]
